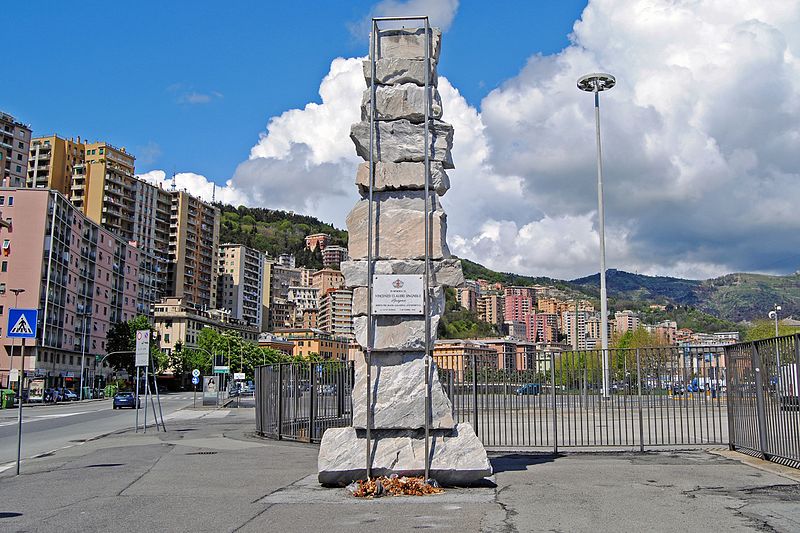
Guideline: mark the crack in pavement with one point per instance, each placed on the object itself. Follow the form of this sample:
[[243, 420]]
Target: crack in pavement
[[132, 483]]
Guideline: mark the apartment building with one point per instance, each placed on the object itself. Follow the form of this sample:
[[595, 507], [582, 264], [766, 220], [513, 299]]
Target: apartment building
[[490, 308], [314, 341], [304, 299], [574, 325], [467, 296], [543, 327], [336, 313], [458, 355], [51, 162], [240, 282], [519, 303], [266, 290], [179, 322], [332, 256], [625, 321], [326, 280], [15, 139], [82, 277], [193, 247], [315, 240]]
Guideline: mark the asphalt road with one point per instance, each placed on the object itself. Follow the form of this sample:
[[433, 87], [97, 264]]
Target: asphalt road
[[46, 429]]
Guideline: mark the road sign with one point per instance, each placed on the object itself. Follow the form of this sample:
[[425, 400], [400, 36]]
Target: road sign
[[143, 347], [239, 376], [195, 380], [13, 375], [22, 323], [222, 369], [195, 373]]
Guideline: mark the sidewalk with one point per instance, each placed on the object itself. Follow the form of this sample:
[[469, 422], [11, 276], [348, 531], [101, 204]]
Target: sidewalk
[[209, 473]]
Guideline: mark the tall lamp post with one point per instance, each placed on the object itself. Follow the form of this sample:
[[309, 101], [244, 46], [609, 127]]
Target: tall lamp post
[[596, 83], [774, 315], [16, 292], [83, 316]]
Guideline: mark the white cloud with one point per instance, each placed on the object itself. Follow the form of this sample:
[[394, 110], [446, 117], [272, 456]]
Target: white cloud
[[440, 13], [198, 185], [700, 141]]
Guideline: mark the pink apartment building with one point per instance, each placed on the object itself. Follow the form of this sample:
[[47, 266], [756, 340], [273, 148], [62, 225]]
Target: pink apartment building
[[81, 278]]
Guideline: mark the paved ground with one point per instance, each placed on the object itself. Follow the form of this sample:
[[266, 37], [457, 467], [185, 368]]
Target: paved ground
[[209, 473], [46, 428]]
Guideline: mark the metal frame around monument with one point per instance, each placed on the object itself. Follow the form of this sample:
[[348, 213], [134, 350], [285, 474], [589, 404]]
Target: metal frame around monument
[[370, 261]]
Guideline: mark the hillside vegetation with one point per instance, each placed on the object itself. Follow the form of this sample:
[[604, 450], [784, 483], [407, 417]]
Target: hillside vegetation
[[276, 232], [712, 305]]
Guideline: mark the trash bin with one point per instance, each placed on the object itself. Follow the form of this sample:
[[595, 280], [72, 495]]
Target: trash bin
[[7, 398]]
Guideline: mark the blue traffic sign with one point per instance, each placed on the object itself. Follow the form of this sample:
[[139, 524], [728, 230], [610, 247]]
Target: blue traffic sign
[[22, 323], [195, 380]]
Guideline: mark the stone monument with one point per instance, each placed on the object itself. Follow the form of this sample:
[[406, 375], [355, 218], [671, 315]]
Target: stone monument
[[394, 344]]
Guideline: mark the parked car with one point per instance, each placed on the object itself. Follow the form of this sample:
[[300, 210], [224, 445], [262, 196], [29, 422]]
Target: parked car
[[328, 389], [69, 395], [52, 395], [529, 388], [126, 399]]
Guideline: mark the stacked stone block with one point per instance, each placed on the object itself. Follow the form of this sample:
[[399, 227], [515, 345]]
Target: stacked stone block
[[398, 342]]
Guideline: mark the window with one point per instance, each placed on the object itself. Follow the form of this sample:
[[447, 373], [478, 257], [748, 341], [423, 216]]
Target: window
[[6, 245], [101, 151], [19, 144], [4, 266], [10, 201], [2, 200]]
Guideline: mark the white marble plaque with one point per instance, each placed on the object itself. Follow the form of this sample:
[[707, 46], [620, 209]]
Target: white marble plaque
[[397, 294]]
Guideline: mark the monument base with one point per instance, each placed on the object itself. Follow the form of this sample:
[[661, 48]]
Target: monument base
[[457, 456]]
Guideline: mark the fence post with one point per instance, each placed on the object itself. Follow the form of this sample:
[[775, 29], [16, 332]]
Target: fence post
[[474, 394], [280, 401], [312, 389], [762, 423], [732, 382], [553, 398], [639, 382]]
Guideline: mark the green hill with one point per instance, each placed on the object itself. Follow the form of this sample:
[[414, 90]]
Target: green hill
[[710, 305], [732, 298], [275, 232]]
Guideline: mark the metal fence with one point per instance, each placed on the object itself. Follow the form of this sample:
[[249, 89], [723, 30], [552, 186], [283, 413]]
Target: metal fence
[[299, 401], [765, 398], [652, 397]]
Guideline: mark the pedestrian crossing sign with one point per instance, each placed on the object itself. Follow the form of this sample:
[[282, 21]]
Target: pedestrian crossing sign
[[22, 323]]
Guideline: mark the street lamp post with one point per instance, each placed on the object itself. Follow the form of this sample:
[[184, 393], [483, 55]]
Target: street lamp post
[[774, 315], [596, 83], [83, 316]]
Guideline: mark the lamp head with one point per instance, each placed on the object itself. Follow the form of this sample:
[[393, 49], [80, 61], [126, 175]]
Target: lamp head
[[596, 81], [772, 314]]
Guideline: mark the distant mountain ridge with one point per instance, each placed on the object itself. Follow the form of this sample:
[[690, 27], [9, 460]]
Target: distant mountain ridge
[[734, 297]]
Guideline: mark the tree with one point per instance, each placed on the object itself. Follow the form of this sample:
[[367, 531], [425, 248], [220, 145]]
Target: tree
[[765, 329], [121, 345]]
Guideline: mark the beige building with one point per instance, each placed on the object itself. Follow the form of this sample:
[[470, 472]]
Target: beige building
[[491, 309], [175, 321], [52, 161], [336, 313], [457, 355], [240, 282], [266, 290], [625, 321], [315, 341], [15, 139], [193, 247], [327, 280]]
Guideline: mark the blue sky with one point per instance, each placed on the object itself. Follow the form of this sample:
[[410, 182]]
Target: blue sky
[[699, 134], [188, 86]]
